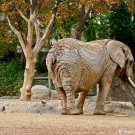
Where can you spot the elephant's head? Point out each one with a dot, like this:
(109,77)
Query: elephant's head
(121,54)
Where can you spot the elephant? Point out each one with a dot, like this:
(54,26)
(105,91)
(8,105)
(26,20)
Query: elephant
(76,66)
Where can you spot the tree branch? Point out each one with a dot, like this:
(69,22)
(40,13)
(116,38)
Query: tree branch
(20,12)
(31,22)
(17,34)
(30,32)
(48,29)
(82,20)
(38,36)
(33,6)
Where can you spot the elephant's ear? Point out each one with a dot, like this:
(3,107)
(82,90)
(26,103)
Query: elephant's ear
(118,58)
(117,55)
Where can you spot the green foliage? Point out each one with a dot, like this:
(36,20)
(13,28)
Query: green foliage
(67,25)
(65,29)
(11,78)
(102,25)
(97,27)
(8,41)
(122,27)
(90,33)
(41,66)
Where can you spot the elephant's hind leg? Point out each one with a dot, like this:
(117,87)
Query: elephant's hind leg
(63,99)
(80,101)
(70,94)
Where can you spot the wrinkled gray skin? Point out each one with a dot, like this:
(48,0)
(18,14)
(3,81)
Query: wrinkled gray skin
(76,66)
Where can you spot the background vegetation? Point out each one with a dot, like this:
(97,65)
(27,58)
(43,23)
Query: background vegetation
(11,77)
(116,21)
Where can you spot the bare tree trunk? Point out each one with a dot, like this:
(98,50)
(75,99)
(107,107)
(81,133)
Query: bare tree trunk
(82,20)
(30,53)
(81,23)
(28,78)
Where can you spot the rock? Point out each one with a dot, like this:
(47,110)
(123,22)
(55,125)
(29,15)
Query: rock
(39,92)
(2,108)
(6,104)
(54,95)
(44,108)
(43,103)
(9,97)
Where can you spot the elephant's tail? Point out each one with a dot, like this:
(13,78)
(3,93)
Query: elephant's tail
(50,60)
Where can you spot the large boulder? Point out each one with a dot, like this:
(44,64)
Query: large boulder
(41,92)
(54,95)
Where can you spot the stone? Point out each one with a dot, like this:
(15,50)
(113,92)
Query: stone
(2,108)
(39,108)
(39,92)
(54,95)
(9,97)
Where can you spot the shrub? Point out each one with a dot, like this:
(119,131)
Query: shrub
(41,66)
(11,78)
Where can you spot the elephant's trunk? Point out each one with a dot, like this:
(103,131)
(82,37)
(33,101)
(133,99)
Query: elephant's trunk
(129,89)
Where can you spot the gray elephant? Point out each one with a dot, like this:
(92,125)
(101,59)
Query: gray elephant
(76,66)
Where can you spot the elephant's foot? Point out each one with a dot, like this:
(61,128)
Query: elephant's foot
(99,112)
(73,111)
(64,111)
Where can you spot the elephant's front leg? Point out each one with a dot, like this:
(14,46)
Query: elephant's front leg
(104,87)
(103,93)
(80,101)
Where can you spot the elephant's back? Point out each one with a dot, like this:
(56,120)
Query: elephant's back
(73,50)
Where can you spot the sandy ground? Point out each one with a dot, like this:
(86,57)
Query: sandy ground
(33,118)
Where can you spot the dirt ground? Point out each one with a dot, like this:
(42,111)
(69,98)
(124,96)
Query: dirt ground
(35,118)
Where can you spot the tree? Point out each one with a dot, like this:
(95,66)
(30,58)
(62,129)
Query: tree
(131,4)
(122,27)
(83,17)
(91,6)
(78,12)
(26,41)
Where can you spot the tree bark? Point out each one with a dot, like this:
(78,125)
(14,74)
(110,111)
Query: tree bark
(28,78)
(82,20)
